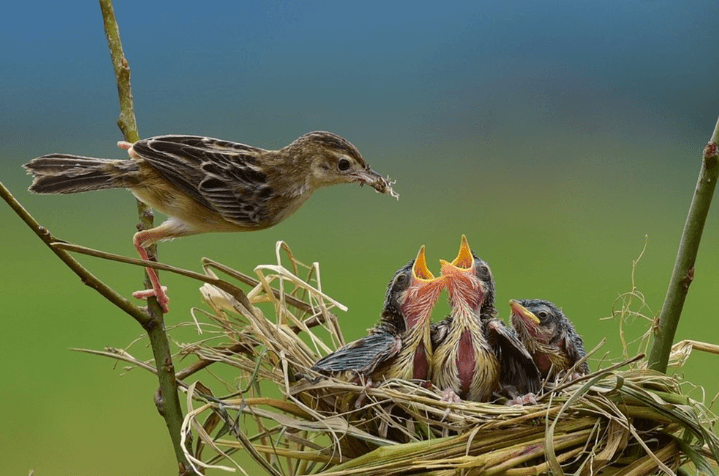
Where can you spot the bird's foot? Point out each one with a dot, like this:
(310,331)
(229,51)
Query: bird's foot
(160,294)
(450,397)
(566,377)
(363,393)
(528,399)
(124,145)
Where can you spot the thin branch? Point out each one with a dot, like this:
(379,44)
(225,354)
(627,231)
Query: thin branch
(83,273)
(236,292)
(167,399)
(233,290)
(683,273)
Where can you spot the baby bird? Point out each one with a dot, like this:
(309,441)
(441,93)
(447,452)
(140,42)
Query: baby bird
(475,354)
(549,336)
(210,185)
(399,346)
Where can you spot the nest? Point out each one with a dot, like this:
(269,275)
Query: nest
(623,420)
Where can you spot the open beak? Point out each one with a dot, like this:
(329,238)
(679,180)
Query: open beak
(420,270)
(462,262)
(376,181)
(464,259)
(525,314)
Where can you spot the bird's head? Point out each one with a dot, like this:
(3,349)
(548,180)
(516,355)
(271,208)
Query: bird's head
(469,281)
(332,159)
(412,294)
(537,319)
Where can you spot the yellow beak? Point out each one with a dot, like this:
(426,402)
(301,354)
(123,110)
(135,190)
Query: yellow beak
(464,259)
(419,269)
(523,311)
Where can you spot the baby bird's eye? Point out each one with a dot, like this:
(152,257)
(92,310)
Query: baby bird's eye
(343,164)
(542,315)
(400,279)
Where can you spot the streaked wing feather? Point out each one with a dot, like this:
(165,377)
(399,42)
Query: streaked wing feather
(362,356)
(222,176)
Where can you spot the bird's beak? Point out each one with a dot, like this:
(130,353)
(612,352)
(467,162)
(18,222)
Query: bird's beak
(375,180)
(420,270)
(464,259)
(463,262)
(448,269)
(524,313)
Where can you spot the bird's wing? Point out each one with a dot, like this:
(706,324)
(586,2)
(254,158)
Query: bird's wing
(574,347)
(362,356)
(223,176)
(438,331)
(517,366)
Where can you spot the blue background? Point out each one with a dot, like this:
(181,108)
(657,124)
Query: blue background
(556,135)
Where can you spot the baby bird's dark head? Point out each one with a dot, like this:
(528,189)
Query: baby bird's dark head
(540,319)
(412,294)
(470,281)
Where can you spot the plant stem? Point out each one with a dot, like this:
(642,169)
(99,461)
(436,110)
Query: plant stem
(683,273)
(167,398)
(86,276)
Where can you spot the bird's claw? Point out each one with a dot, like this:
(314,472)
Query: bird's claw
(450,397)
(528,399)
(161,296)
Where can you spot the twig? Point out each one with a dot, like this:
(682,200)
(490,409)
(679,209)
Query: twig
(233,290)
(683,273)
(592,375)
(167,399)
(236,292)
(83,273)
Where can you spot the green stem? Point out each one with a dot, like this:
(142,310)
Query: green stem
(167,398)
(683,273)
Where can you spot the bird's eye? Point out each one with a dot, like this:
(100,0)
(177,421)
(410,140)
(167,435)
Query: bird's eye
(400,279)
(542,315)
(343,164)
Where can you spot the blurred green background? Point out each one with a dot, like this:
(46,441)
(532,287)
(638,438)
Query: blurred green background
(555,135)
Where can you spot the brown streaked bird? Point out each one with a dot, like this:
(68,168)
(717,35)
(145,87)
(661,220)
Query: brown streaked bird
(210,185)
(399,345)
(475,354)
(549,336)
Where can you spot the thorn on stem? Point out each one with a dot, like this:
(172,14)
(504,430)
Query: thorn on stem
(688,279)
(656,325)
(159,402)
(711,155)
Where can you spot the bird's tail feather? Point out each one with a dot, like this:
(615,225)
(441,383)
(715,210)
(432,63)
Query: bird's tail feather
(63,173)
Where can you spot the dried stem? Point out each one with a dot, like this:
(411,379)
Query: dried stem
(237,293)
(683,273)
(167,398)
(83,273)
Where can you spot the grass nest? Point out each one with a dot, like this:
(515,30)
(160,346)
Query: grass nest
(621,420)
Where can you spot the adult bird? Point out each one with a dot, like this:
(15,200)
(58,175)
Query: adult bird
(399,345)
(549,336)
(475,354)
(210,185)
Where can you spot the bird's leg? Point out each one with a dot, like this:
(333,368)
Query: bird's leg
(521,400)
(516,398)
(450,396)
(363,394)
(157,290)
